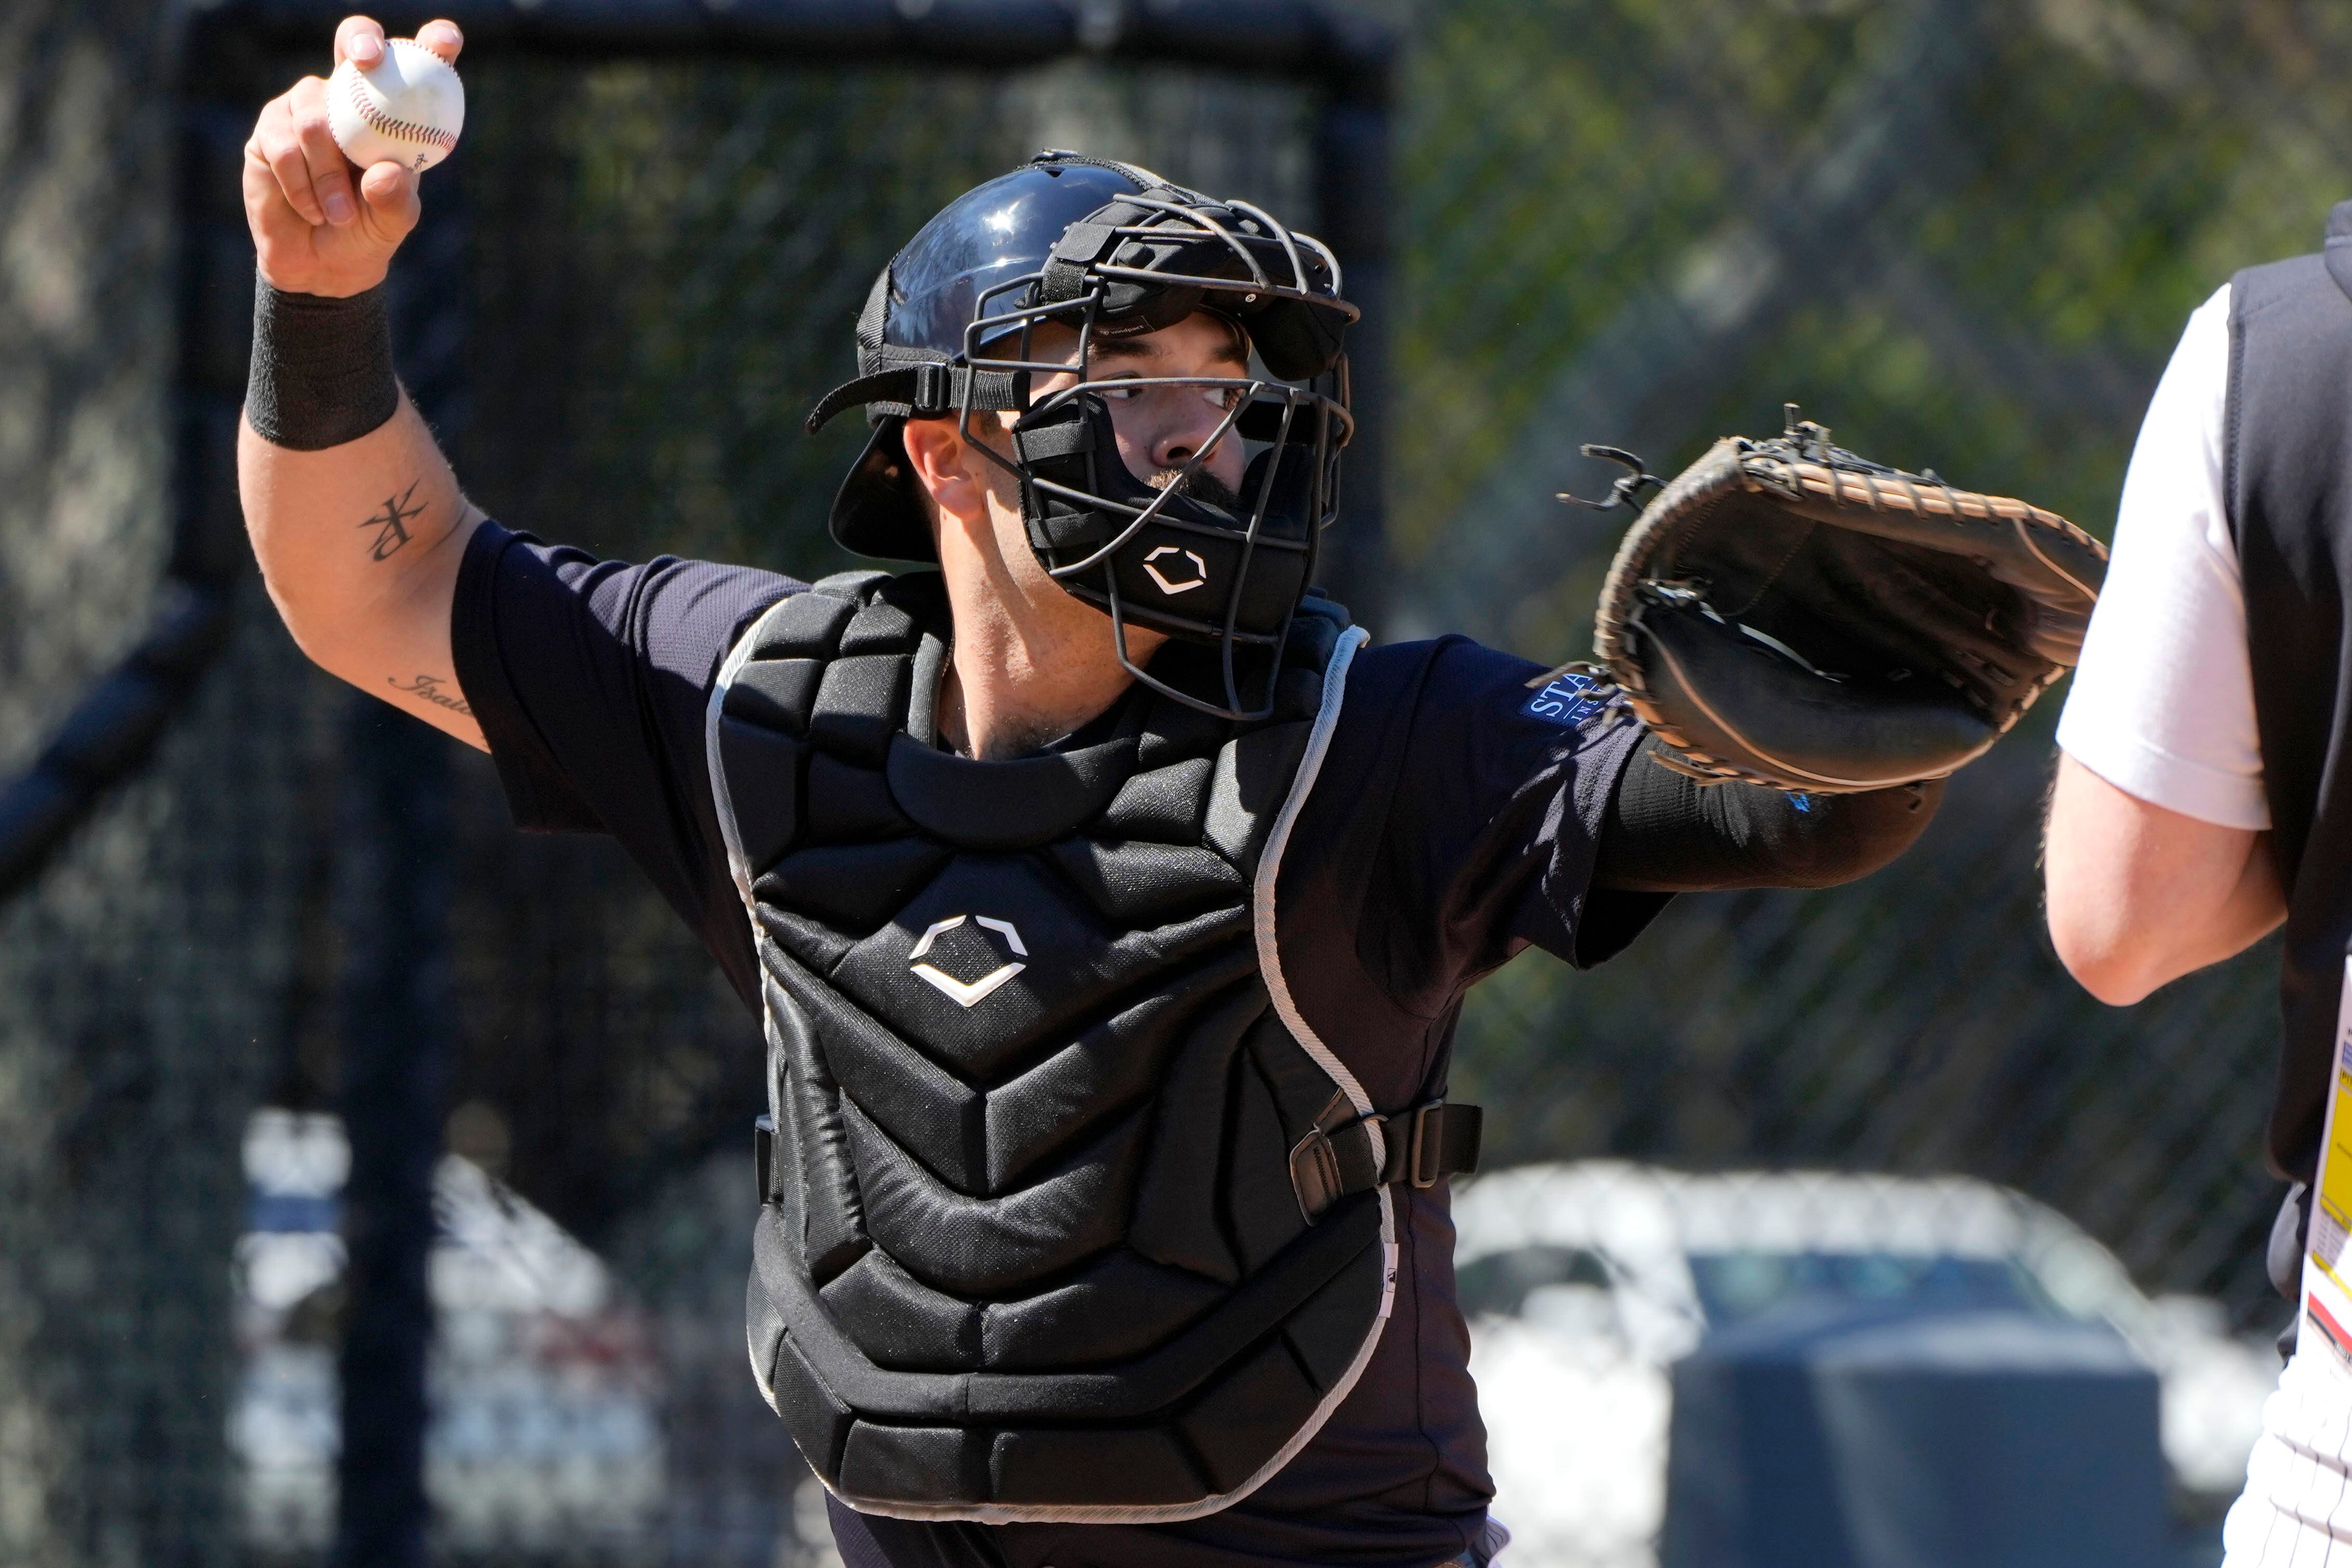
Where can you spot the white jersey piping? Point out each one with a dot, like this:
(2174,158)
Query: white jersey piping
(720,795)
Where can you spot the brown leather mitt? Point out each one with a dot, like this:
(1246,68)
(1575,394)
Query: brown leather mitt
(1787,613)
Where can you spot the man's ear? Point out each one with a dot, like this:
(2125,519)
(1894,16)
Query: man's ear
(946,467)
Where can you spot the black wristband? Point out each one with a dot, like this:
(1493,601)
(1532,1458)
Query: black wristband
(322,371)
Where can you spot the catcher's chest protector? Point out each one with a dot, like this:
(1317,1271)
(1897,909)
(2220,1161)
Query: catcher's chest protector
(1035,1242)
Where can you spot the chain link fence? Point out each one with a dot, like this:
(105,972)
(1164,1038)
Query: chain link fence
(1962,234)
(1965,237)
(140,979)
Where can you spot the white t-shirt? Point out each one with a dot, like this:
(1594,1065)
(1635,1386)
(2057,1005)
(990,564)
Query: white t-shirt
(2163,705)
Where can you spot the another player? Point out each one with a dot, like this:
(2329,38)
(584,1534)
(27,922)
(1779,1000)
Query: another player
(2201,802)
(1109,903)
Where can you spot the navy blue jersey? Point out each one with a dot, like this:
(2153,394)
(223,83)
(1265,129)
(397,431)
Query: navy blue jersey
(1453,824)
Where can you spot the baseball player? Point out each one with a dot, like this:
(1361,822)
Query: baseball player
(1107,901)
(2199,801)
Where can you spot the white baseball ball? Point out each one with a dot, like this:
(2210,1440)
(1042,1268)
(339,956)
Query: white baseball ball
(407,108)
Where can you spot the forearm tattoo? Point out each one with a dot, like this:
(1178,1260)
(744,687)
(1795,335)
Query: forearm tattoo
(390,523)
(432,689)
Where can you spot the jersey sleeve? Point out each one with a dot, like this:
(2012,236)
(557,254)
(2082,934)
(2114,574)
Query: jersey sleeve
(590,679)
(1455,822)
(2162,706)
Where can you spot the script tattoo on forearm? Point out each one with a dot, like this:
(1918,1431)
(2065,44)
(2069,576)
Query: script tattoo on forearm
(391,525)
(429,688)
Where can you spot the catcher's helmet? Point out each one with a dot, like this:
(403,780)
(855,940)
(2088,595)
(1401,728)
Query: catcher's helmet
(1112,250)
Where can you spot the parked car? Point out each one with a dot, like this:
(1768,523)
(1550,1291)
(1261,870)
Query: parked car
(543,1383)
(1584,1282)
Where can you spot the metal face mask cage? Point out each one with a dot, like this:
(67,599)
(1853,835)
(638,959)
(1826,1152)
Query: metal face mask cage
(1138,551)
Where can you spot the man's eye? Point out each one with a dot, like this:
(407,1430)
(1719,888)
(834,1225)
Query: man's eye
(1119,393)
(1223,399)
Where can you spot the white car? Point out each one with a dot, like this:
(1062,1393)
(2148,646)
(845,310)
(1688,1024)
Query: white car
(1584,1282)
(544,1384)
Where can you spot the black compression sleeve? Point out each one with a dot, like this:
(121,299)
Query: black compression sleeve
(1666,833)
(322,370)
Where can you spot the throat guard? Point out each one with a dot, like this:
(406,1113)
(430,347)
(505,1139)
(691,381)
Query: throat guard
(1068,1215)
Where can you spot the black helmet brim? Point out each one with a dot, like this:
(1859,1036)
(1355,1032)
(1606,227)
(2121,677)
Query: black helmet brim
(877,512)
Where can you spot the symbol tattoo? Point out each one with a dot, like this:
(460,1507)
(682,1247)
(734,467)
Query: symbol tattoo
(428,688)
(391,525)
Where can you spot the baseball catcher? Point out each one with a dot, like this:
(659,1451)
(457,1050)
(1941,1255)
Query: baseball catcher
(1108,899)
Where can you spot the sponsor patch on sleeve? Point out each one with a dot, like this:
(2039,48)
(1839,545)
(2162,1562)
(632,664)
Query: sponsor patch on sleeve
(1567,700)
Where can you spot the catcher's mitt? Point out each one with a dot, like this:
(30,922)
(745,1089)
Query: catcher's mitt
(1790,615)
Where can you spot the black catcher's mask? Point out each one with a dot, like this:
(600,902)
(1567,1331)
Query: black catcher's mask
(1112,251)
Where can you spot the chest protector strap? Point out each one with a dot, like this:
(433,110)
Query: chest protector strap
(1067,1214)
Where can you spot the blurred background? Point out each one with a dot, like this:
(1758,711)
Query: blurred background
(319,1086)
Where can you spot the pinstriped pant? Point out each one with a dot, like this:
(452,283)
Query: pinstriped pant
(2296,1509)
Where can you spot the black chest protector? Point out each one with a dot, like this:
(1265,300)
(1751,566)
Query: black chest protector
(1068,1215)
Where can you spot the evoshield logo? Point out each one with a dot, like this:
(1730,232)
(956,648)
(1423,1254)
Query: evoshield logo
(967,993)
(1199,570)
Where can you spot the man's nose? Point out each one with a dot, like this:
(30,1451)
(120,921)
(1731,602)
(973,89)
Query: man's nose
(1181,432)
